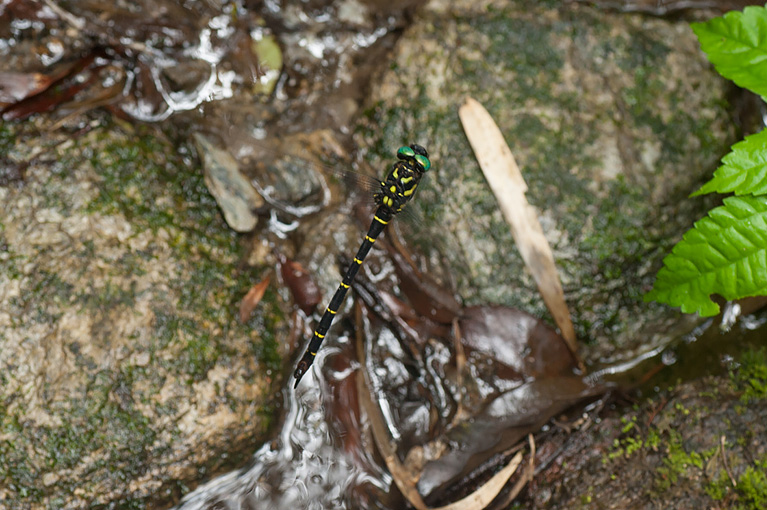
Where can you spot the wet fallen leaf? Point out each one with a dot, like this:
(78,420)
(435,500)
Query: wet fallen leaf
(508,185)
(252,298)
(404,477)
(97,95)
(504,421)
(63,84)
(517,340)
(17,86)
(454,401)
(302,286)
(426,296)
(44,102)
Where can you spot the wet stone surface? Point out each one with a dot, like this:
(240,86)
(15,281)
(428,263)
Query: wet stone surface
(613,120)
(124,369)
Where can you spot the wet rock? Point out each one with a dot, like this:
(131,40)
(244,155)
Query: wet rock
(124,367)
(288,172)
(235,196)
(613,119)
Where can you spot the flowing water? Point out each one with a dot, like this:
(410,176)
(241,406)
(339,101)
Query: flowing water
(308,465)
(305,465)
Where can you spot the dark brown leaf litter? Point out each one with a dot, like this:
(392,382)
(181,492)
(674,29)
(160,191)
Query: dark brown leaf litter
(459,386)
(303,288)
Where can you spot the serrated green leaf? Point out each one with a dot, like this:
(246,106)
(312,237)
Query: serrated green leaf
(737,46)
(725,253)
(744,169)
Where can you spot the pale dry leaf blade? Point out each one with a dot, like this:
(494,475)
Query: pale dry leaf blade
(506,181)
(485,495)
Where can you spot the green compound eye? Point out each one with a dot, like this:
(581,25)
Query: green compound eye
(423,161)
(405,152)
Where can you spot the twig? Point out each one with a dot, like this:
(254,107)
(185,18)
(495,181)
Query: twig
(78,23)
(531,469)
(724,461)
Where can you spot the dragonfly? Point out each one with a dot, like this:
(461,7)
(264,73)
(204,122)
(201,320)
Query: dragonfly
(395,191)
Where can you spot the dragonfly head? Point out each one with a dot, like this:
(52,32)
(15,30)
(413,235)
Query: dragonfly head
(417,154)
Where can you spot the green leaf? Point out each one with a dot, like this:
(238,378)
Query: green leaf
(725,253)
(269,57)
(744,170)
(737,46)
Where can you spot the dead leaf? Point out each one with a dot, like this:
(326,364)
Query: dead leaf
(508,185)
(17,86)
(302,286)
(404,478)
(252,298)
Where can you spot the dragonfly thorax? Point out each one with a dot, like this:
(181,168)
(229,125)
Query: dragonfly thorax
(399,186)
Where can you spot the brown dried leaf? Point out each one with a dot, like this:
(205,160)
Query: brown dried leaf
(508,185)
(252,298)
(17,86)
(302,286)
